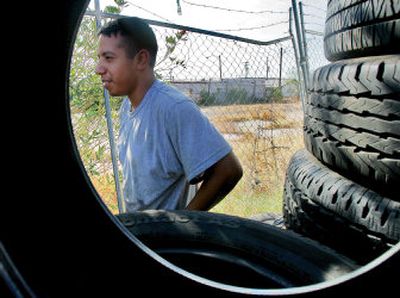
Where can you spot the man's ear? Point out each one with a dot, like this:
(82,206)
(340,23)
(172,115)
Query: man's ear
(143,59)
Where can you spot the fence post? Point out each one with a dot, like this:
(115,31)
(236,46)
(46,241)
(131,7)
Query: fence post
(114,160)
(296,56)
(303,34)
(220,67)
(301,48)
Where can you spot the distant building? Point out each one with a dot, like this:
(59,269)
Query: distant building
(240,90)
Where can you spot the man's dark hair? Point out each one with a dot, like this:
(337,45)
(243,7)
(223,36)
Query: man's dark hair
(136,33)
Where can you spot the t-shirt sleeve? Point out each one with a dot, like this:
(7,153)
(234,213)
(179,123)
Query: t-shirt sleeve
(197,142)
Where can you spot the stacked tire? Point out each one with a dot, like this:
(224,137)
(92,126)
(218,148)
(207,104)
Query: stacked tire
(343,189)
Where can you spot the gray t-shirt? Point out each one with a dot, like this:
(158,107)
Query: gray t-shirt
(163,144)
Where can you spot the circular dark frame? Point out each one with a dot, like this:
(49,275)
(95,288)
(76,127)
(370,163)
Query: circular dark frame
(54,227)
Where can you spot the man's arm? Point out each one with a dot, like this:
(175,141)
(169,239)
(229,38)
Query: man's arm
(218,181)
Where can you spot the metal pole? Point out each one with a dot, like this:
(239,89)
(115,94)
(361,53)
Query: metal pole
(97,13)
(220,67)
(114,160)
(303,34)
(178,7)
(280,67)
(300,44)
(296,56)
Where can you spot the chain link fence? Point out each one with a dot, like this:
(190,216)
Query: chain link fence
(248,89)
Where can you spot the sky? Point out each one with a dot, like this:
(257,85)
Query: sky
(268,19)
(262,20)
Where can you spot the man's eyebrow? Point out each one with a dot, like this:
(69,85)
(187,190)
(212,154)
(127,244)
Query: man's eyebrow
(107,53)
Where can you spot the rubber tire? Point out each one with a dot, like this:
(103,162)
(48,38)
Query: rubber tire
(333,210)
(352,120)
(361,28)
(234,250)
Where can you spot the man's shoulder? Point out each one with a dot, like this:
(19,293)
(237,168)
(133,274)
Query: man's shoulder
(170,95)
(170,92)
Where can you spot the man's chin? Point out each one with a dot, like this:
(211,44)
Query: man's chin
(113,93)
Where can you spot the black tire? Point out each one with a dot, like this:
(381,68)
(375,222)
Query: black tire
(361,28)
(337,212)
(234,250)
(352,120)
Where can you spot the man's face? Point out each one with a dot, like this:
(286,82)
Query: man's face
(117,71)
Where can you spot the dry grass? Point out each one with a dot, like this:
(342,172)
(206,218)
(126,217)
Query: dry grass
(275,116)
(106,188)
(261,188)
(264,156)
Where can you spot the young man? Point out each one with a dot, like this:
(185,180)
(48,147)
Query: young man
(165,142)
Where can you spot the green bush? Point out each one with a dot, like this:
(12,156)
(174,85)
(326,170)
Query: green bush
(207,99)
(236,96)
(276,94)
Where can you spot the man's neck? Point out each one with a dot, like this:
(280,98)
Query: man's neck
(140,93)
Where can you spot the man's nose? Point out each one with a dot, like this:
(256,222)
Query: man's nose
(100,69)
